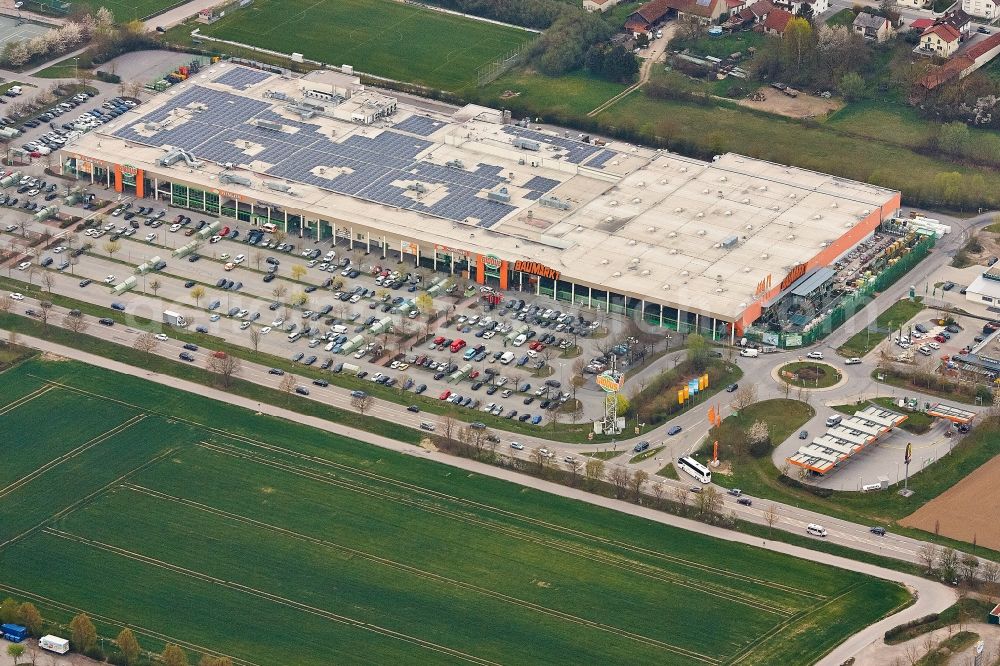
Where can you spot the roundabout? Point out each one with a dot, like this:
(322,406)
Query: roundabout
(810,375)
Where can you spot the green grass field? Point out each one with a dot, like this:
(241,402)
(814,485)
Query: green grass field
(128,10)
(894,316)
(403,42)
(274,543)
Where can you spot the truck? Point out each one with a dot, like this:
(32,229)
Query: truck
(174,319)
(749,353)
(15,633)
(54,644)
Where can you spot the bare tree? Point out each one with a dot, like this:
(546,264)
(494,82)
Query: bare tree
(447,423)
(6,303)
(48,281)
(111,247)
(74,323)
(225,365)
(46,309)
(639,477)
(745,396)
(154,286)
(254,334)
(681,496)
(771,518)
(970,567)
(279,291)
(658,489)
(146,342)
(540,456)
(619,478)
(362,403)
(928,555)
(287,385)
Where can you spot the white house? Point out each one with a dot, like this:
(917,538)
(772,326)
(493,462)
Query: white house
(599,5)
(986,9)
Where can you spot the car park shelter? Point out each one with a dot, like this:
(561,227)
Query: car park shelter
(951,413)
(851,436)
(685,244)
(994,616)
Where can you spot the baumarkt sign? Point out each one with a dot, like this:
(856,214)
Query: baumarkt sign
(492,264)
(535,268)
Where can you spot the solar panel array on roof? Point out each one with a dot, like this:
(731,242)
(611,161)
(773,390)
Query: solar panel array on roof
(419,125)
(541,184)
(575,151)
(216,126)
(242,78)
(601,158)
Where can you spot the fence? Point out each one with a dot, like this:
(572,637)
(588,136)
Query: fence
(850,305)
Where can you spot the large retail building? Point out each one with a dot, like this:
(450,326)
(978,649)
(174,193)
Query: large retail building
(690,245)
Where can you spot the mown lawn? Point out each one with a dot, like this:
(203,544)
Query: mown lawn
(244,533)
(408,43)
(893,317)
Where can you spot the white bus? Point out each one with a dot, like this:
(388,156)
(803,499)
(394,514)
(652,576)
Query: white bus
(695,469)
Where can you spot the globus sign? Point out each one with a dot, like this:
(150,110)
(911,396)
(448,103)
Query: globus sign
(610,381)
(492,264)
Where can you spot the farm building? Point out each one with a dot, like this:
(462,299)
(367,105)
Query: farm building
(685,244)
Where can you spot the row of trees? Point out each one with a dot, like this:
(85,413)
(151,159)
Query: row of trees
(615,63)
(84,639)
(72,33)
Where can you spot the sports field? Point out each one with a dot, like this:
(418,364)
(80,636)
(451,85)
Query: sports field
(203,524)
(382,37)
(123,10)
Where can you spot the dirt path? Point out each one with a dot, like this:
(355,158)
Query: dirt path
(656,51)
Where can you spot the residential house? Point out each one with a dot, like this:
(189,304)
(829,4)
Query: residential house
(704,11)
(963,64)
(958,20)
(599,5)
(776,22)
(939,40)
(795,6)
(749,16)
(921,24)
(876,28)
(648,16)
(987,9)
(914,4)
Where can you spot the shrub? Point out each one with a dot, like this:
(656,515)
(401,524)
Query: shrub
(902,628)
(760,449)
(107,77)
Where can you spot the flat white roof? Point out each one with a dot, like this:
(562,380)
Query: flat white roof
(637,221)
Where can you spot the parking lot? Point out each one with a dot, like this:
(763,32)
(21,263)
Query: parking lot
(332,308)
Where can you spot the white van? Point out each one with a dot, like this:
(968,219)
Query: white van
(816,530)
(338,329)
(54,644)
(834,420)
(292,337)
(520,340)
(750,353)
(507,358)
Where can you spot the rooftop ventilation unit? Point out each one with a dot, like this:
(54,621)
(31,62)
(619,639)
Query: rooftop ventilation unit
(278,187)
(678,210)
(418,187)
(673,250)
(616,274)
(454,164)
(645,272)
(730,241)
(700,215)
(177,154)
(499,195)
(765,255)
(666,287)
(762,188)
(637,200)
(745,200)
(672,234)
(705,191)
(604,262)
(554,202)
(525,144)
(270,125)
(232,179)
(631,241)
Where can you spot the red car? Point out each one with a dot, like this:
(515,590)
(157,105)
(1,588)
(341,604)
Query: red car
(940,338)
(457,345)
(224,232)
(445,395)
(438,340)
(473,374)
